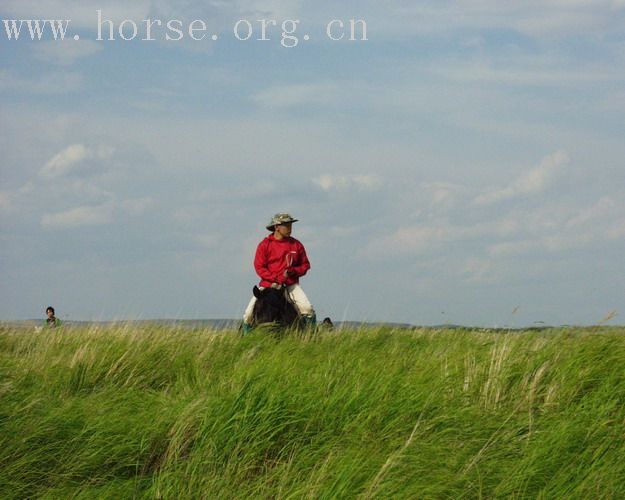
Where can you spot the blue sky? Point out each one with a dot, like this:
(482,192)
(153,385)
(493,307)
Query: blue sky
(465,164)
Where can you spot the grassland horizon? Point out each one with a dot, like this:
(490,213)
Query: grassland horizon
(347,324)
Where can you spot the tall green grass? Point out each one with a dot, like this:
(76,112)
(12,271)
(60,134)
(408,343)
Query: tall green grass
(153,412)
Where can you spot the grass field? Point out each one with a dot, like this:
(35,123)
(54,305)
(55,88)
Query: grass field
(153,412)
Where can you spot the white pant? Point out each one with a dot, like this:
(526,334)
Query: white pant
(297,296)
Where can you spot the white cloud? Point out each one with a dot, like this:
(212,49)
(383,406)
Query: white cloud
(137,207)
(68,159)
(450,216)
(47,84)
(11,201)
(65,161)
(442,196)
(605,209)
(533,73)
(65,52)
(512,248)
(535,181)
(5,202)
(480,271)
(223,11)
(84,189)
(276,8)
(260,189)
(434,233)
(537,18)
(555,229)
(419,238)
(335,182)
(96,215)
(616,230)
(77,217)
(285,96)
(541,177)
(82,14)
(412,240)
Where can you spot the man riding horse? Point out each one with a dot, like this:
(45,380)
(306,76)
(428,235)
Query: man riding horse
(280,261)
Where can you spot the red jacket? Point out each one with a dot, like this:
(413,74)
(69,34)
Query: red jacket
(273,257)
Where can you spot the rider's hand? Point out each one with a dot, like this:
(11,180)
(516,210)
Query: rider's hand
(276,285)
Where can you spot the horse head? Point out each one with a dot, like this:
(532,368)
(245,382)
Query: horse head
(273,306)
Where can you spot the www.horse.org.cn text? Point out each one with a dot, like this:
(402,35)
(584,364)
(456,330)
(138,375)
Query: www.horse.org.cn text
(288,32)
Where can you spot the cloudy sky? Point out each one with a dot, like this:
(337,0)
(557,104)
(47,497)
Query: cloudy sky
(464,164)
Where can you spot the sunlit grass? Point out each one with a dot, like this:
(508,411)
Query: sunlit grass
(160,412)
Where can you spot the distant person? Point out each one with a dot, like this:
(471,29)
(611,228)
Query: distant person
(51,321)
(280,261)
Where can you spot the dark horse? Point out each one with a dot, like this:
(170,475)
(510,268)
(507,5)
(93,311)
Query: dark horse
(274,306)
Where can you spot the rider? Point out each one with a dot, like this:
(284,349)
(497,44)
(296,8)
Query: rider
(280,261)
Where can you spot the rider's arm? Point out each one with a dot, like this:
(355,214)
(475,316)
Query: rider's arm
(303,264)
(261,263)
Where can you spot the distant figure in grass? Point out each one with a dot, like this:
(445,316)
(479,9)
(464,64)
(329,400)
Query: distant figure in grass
(51,321)
(280,262)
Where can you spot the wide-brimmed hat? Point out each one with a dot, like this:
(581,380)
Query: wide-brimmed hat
(279,219)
